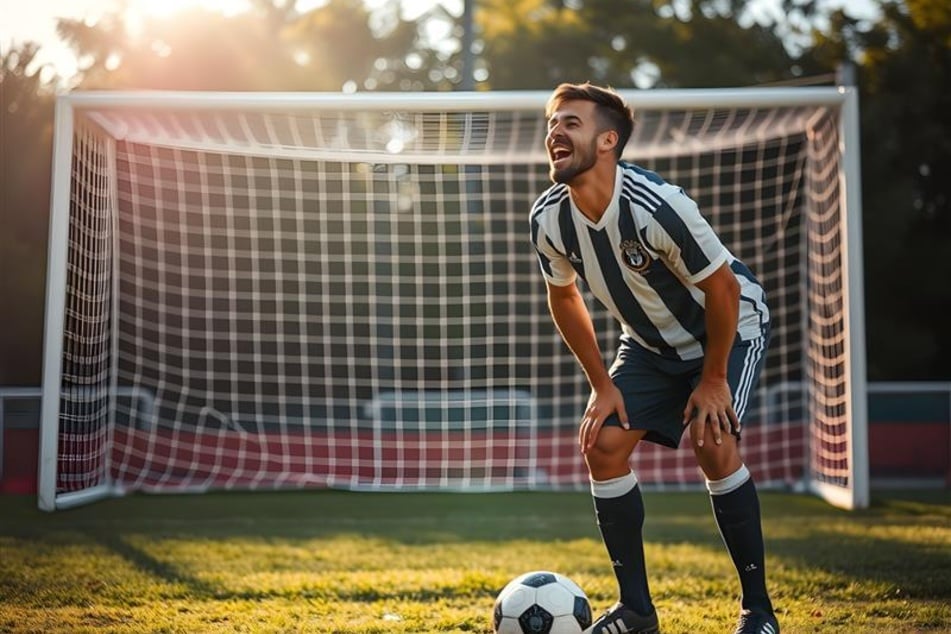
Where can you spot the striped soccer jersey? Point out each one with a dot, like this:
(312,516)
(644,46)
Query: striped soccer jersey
(642,260)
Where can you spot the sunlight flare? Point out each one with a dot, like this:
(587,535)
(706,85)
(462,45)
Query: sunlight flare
(165,8)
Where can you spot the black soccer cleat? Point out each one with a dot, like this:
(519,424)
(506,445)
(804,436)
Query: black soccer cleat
(756,622)
(622,620)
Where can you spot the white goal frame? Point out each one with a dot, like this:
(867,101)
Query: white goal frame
(845,99)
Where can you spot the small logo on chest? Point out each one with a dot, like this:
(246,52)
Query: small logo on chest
(635,256)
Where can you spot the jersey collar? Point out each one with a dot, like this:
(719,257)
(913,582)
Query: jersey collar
(609,213)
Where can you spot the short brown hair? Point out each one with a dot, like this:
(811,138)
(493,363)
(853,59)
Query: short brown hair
(613,113)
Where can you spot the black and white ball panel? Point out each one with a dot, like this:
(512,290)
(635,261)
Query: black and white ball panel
(541,602)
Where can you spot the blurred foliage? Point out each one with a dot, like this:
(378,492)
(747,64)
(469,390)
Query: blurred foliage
(904,73)
(905,83)
(26,132)
(537,44)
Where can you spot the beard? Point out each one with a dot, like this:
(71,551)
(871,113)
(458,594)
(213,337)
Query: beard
(582,159)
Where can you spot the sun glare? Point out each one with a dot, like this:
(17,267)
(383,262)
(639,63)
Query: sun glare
(165,8)
(139,11)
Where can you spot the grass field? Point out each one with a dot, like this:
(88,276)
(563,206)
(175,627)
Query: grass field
(330,561)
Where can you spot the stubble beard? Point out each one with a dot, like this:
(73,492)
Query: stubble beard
(585,162)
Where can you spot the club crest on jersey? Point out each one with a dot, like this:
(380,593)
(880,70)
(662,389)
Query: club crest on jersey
(635,256)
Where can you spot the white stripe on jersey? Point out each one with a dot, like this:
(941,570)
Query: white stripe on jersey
(659,306)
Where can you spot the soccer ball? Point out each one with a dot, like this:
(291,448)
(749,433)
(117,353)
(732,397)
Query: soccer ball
(541,602)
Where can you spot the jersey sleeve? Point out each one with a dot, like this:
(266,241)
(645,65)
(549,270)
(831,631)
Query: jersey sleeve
(686,239)
(554,265)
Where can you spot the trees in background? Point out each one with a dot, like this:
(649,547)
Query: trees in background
(269,47)
(625,43)
(26,131)
(905,84)
(904,61)
(521,44)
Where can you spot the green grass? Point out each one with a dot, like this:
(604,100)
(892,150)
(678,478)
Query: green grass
(329,561)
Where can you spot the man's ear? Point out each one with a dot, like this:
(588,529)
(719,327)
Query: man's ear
(608,141)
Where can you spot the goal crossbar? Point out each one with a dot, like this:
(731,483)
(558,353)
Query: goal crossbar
(453,101)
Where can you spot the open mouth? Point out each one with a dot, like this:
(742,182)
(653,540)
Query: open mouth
(559,154)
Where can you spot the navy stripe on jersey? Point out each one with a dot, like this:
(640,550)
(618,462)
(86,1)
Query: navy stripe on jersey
(622,297)
(545,263)
(668,286)
(646,173)
(693,256)
(542,260)
(569,236)
(628,190)
(625,221)
(646,242)
(535,228)
(550,196)
(678,300)
(555,194)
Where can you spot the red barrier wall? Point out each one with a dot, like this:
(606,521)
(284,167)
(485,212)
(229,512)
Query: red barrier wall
(897,450)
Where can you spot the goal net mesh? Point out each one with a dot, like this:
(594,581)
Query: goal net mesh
(258,298)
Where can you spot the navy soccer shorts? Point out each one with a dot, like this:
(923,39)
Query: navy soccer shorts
(656,388)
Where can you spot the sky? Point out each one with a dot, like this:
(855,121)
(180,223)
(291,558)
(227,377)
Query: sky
(35,20)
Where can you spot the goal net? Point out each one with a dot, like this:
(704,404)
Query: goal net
(296,290)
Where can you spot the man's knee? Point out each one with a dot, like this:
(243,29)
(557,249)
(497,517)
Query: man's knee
(610,456)
(718,461)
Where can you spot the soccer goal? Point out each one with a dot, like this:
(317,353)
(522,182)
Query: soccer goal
(268,291)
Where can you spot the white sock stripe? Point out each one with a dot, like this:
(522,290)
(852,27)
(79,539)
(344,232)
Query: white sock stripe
(615,487)
(730,483)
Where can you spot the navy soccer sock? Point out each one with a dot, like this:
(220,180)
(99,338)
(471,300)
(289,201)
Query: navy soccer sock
(736,509)
(620,512)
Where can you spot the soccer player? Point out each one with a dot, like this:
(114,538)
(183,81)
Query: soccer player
(695,328)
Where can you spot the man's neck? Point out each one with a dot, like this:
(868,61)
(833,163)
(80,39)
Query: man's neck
(592,191)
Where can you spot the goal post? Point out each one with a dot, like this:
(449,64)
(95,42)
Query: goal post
(286,290)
